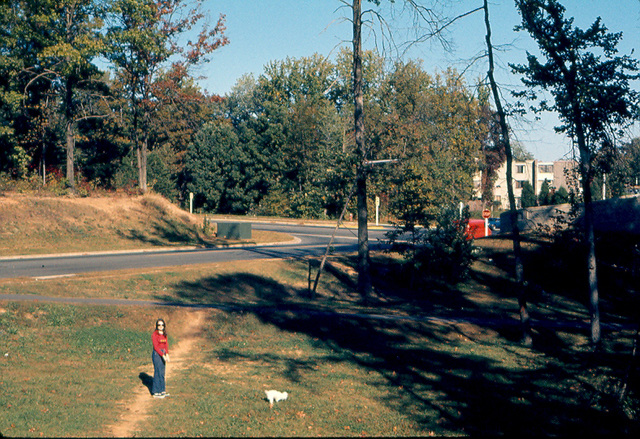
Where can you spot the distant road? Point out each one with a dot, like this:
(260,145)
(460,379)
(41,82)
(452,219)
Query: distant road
(311,241)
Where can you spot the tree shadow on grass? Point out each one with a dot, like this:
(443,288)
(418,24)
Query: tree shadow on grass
(458,390)
(242,289)
(448,377)
(165,233)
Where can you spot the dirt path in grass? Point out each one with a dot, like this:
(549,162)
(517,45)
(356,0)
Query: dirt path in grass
(135,409)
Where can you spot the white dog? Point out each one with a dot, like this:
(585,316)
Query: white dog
(274,395)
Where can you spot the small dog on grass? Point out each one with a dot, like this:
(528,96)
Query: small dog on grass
(275,396)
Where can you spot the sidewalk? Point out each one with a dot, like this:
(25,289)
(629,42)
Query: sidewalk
(258,309)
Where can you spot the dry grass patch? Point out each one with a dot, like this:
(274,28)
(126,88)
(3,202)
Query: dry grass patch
(32,225)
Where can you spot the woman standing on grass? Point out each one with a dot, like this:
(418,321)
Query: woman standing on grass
(159,356)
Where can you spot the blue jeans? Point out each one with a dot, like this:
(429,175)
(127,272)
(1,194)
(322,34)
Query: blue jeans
(158,385)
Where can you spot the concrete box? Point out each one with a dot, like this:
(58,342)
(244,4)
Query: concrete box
(229,230)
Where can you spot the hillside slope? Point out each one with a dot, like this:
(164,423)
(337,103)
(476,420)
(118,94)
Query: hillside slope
(32,225)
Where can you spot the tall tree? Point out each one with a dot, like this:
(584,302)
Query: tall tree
(427,24)
(220,170)
(432,124)
(33,76)
(590,85)
(76,46)
(13,57)
(296,87)
(493,147)
(364,275)
(544,196)
(143,39)
(526,337)
(68,40)
(184,110)
(624,175)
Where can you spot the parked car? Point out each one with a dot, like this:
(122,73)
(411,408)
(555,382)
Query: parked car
(475,229)
(494,224)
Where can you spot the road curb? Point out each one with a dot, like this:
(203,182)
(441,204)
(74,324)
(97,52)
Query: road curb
(294,241)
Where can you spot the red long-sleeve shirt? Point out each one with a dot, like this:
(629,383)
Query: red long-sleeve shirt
(160,343)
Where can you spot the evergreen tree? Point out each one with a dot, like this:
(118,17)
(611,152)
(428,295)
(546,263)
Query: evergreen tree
(224,174)
(544,197)
(560,196)
(528,196)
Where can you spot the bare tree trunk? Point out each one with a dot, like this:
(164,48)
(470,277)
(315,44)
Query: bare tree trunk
(364,275)
(70,135)
(140,147)
(71,143)
(585,171)
(527,339)
(594,299)
(142,164)
(43,163)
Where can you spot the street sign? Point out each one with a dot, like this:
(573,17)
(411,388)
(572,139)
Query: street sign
(486,213)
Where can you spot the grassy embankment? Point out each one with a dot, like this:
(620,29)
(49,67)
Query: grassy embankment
(71,370)
(40,225)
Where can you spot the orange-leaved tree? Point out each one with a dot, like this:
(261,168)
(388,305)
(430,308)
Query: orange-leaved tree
(144,42)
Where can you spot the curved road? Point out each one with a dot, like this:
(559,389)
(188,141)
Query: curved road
(310,241)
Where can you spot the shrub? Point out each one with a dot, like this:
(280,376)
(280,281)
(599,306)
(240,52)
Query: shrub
(442,251)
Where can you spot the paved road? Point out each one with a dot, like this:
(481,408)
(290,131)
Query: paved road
(310,240)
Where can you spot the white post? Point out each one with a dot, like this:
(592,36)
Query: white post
(486,227)
(190,202)
(377,208)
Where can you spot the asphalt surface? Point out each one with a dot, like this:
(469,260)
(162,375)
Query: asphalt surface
(309,241)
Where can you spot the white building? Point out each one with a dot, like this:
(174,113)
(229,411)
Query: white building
(533,171)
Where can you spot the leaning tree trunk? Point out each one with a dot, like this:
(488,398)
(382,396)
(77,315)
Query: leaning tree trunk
(527,339)
(364,276)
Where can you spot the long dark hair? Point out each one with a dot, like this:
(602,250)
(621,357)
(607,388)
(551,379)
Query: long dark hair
(165,326)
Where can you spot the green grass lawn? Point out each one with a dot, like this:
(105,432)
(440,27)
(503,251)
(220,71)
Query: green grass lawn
(68,370)
(64,367)
(384,367)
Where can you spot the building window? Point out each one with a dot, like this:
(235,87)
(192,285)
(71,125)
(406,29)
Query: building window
(520,169)
(519,184)
(546,169)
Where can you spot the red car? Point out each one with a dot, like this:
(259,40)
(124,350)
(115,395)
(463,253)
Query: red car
(475,229)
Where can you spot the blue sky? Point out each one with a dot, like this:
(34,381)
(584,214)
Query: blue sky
(261,31)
